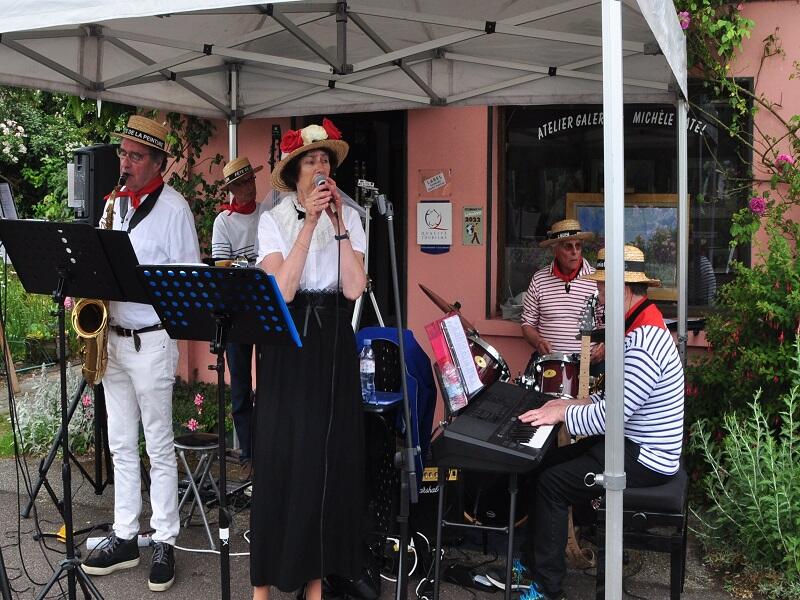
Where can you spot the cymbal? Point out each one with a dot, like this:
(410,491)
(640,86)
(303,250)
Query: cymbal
(445,306)
(598,335)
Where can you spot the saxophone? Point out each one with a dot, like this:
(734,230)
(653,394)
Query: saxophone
(90,317)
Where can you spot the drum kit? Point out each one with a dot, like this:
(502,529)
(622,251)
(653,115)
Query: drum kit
(552,375)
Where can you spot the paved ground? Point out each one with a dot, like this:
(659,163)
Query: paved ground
(30,563)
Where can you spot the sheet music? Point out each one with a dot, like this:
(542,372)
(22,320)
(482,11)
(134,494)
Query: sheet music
(461,354)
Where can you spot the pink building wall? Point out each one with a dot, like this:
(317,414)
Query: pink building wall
(771,78)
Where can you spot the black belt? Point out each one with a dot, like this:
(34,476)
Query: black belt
(137,343)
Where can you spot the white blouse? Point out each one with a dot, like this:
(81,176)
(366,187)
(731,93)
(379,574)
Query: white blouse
(278,229)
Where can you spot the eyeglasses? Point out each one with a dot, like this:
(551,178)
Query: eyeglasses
(136,157)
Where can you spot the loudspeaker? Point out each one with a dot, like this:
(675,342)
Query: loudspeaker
(93,174)
(423,513)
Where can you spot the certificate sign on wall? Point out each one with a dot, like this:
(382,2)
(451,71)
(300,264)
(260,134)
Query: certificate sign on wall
(472,235)
(434,223)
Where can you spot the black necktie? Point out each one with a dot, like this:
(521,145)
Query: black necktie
(300,214)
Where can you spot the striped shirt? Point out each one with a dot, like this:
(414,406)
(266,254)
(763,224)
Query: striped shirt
(235,234)
(555,312)
(653,390)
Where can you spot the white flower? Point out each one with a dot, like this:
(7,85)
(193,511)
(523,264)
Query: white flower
(20,128)
(12,123)
(6,150)
(313,133)
(22,149)
(18,134)
(14,159)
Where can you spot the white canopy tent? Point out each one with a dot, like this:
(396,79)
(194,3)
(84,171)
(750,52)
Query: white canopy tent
(232,59)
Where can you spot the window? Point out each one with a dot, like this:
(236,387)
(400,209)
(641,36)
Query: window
(554,153)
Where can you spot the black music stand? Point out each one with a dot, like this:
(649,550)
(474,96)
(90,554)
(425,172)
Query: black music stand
(219,305)
(70,259)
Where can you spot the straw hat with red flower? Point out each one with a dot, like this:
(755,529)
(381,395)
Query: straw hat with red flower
(299,141)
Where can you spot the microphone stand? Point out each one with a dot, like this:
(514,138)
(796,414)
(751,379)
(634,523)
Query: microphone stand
(276,138)
(405,458)
(5,586)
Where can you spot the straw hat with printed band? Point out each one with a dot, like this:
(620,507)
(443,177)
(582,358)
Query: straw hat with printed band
(145,131)
(634,268)
(298,141)
(562,231)
(236,169)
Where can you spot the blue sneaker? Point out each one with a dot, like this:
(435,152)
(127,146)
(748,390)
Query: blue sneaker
(520,576)
(534,593)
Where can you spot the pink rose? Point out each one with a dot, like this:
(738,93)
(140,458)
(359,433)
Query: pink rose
(684,18)
(86,401)
(198,400)
(291,141)
(69,303)
(758,206)
(784,159)
(192,424)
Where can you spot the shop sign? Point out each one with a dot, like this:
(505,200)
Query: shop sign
(638,116)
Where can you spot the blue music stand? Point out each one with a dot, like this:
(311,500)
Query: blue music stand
(219,305)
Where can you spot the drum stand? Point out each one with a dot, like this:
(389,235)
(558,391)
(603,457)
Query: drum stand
(367,188)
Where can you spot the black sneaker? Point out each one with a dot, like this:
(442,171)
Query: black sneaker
(118,554)
(162,569)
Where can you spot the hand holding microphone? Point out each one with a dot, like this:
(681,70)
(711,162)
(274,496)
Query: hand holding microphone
(320,180)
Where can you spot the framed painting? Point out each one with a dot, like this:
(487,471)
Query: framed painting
(651,224)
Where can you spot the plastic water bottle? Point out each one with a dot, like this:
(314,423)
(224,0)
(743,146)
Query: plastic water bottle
(452,387)
(367,368)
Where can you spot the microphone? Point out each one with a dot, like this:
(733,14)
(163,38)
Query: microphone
(320,179)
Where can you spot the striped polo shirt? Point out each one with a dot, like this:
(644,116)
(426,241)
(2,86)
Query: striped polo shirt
(234,234)
(653,390)
(556,312)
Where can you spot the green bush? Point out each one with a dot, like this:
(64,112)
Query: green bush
(187,406)
(39,414)
(753,483)
(30,316)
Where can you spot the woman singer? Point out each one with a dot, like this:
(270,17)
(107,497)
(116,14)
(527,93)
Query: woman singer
(308,435)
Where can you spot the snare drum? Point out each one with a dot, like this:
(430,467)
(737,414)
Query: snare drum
(491,366)
(554,375)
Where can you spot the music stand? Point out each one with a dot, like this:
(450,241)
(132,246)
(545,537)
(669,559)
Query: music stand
(219,305)
(70,259)
(5,586)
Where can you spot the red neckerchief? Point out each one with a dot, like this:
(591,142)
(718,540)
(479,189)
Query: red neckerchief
(567,278)
(649,316)
(233,207)
(136,197)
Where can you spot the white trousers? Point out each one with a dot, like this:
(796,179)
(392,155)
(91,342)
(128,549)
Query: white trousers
(138,388)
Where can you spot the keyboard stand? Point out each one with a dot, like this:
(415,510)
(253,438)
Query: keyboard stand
(508,529)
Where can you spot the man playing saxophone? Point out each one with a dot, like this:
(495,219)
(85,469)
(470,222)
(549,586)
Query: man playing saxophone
(142,359)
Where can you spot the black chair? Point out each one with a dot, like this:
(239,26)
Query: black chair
(655,519)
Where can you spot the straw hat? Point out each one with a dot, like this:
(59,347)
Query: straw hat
(298,141)
(634,268)
(562,231)
(145,131)
(236,169)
